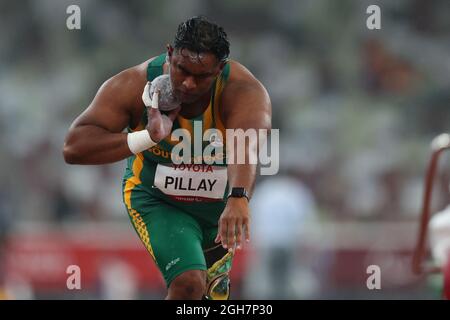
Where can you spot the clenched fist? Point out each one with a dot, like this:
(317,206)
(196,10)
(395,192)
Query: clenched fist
(159,125)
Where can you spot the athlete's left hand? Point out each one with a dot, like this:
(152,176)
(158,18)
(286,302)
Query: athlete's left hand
(234,223)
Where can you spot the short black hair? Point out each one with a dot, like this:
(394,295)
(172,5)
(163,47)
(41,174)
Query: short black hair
(199,35)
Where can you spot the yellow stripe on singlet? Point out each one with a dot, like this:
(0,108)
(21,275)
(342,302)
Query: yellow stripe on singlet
(186,124)
(207,118)
(138,222)
(217,117)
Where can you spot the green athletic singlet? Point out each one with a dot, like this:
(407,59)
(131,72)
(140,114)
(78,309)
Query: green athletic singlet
(175,208)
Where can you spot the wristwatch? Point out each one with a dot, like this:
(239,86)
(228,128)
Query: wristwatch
(238,192)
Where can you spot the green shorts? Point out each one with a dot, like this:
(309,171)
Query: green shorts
(175,239)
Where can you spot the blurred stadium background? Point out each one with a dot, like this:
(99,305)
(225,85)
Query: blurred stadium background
(357,110)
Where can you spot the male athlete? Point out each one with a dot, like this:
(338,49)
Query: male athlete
(189,217)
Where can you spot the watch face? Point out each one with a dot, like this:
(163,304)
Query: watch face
(238,192)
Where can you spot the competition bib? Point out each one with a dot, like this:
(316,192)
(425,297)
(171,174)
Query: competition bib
(191,182)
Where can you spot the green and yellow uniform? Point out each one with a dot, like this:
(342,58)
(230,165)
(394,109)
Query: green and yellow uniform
(175,208)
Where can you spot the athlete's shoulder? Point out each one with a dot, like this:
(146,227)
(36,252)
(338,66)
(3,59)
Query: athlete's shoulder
(127,85)
(238,73)
(132,76)
(241,79)
(245,97)
(124,90)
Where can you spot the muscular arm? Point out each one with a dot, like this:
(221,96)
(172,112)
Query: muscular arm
(251,110)
(246,106)
(96,136)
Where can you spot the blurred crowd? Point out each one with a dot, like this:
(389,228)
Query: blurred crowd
(356,108)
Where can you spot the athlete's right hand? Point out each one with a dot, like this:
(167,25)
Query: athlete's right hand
(159,125)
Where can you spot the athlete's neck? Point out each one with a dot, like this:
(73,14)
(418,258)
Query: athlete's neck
(196,108)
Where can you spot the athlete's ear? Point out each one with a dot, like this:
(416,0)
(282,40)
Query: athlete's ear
(169,51)
(221,66)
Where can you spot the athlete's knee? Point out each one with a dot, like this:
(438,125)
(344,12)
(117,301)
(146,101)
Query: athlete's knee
(188,285)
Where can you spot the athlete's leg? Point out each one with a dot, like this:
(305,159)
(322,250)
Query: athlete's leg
(189,285)
(174,240)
